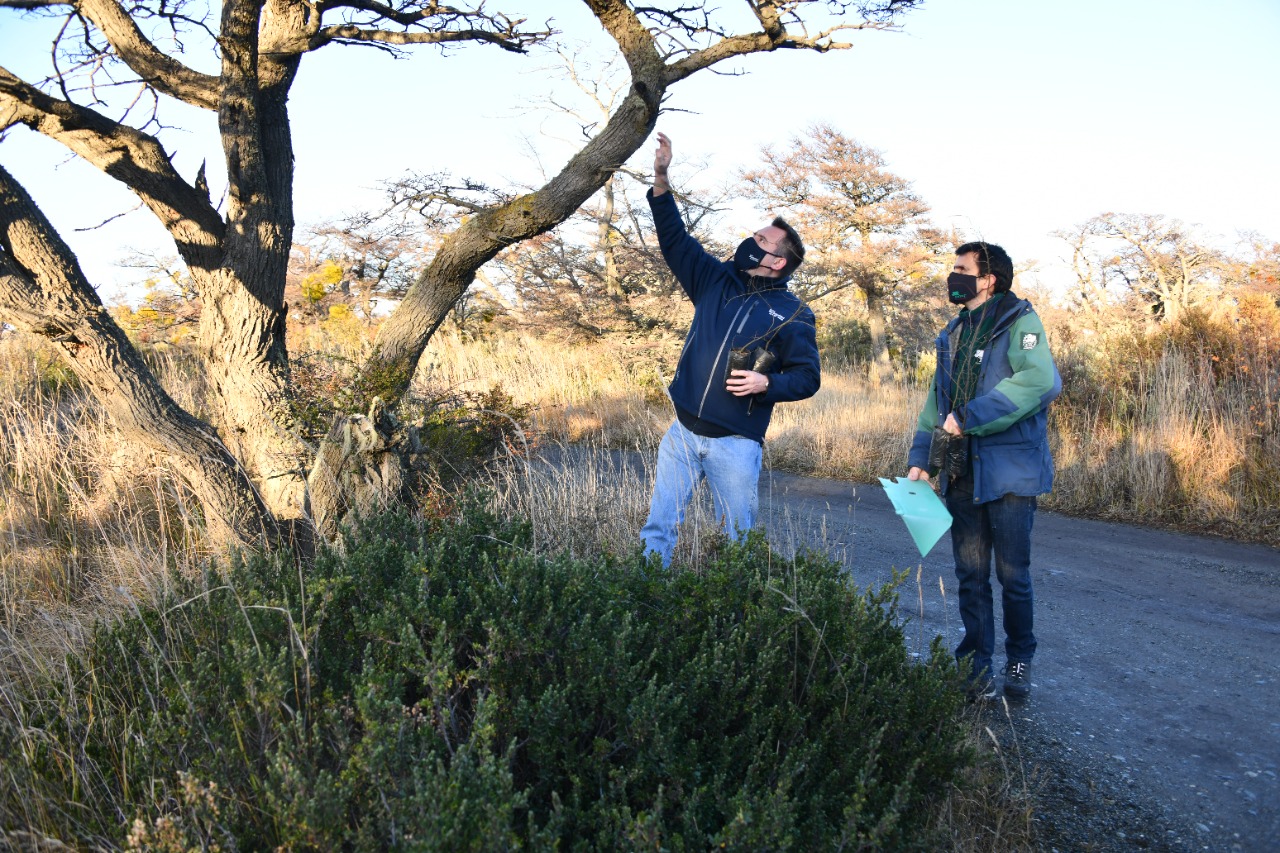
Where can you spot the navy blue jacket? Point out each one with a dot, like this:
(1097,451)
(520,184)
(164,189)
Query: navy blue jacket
(734,310)
(1007,419)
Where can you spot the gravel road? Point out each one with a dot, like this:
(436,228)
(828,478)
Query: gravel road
(1154,719)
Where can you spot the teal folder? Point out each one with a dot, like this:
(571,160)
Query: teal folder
(925,515)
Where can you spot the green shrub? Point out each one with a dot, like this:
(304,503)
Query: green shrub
(844,340)
(439,687)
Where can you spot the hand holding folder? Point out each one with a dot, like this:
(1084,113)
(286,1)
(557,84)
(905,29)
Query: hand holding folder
(925,515)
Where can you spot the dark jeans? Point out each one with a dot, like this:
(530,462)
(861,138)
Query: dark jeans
(1000,528)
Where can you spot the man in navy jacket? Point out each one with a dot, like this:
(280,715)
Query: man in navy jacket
(742,310)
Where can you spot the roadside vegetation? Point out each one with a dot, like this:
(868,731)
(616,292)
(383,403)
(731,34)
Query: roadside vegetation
(411,683)
(440,685)
(1175,427)
(327,539)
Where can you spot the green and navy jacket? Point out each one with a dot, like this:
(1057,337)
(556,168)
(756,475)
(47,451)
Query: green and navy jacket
(1007,418)
(734,310)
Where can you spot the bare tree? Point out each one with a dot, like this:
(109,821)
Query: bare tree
(863,224)
(601,271)
(1255,268)
(380,256)
(255,470)
(1096,283)
(1162,263)
(602,86)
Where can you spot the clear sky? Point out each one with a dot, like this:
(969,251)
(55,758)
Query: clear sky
(1013,118)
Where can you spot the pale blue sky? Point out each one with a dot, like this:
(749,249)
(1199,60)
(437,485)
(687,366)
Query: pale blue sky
(1013,118)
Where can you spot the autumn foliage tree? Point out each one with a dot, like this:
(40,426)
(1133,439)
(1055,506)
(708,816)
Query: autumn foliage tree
(247,463)
(864,226)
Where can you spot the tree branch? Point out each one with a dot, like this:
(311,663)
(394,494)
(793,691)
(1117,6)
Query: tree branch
(116,24)
(130,156)
(156,69)
(352,34)
(773,16)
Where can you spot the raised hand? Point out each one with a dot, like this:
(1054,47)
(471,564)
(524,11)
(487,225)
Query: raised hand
(661,160)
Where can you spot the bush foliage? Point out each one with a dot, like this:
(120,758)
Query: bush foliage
(439,687)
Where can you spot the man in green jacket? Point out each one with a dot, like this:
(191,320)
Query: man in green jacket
(985,422)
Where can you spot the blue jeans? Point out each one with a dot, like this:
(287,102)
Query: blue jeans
(731,467)
(999,528)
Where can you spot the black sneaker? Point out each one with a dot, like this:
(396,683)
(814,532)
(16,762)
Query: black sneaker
(1017,679)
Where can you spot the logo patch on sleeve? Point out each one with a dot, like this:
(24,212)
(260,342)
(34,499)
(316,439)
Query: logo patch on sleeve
(1029,340)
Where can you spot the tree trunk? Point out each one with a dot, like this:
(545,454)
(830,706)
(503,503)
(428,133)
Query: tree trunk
(242,324)
(606,241)
(360,467)
(43,291)
(878,367)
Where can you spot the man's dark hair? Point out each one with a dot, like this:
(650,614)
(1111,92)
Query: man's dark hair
(792,248)
(992,260)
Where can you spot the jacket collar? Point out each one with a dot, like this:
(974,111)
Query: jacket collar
(1009,307)
(760,284)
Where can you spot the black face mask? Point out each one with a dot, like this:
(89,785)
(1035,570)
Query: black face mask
(961,288)
(749,255)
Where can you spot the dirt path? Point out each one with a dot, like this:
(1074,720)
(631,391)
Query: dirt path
(1157,678)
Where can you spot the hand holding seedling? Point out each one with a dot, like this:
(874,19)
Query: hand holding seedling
(743,383)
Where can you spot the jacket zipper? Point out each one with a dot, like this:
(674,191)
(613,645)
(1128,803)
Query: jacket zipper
(712,377)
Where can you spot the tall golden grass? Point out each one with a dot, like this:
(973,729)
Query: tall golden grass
(85,515)
(850,429)
(1181,446)
(1184,449)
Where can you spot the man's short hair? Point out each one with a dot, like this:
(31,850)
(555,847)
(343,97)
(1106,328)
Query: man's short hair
(792,248)
(992,260)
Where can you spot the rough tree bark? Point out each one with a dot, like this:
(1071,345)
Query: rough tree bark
(878,325)
(238,260)
(42,290)
(608,244)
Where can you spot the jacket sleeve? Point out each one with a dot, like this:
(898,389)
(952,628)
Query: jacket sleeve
(918,457)
(691,264)
(799,372)
(1034,384)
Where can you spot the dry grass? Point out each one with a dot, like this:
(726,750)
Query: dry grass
(1187,453)
(583,499)
(603,393)
(85,520)
(1183,450)
(87,523)
(84,512)
(849,430)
